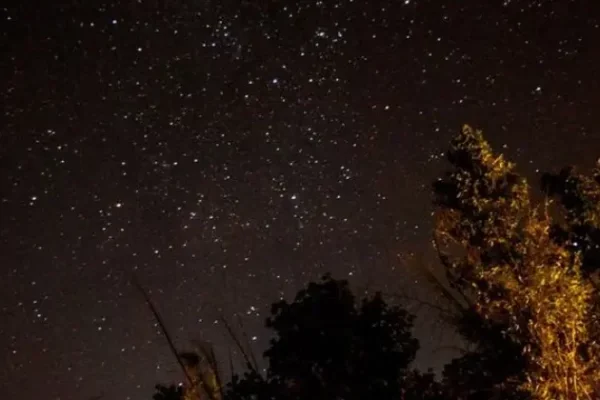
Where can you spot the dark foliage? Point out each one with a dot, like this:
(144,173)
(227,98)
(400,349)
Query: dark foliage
(168,392)
(250,386)
(579,197)
(492,371)
(328,347)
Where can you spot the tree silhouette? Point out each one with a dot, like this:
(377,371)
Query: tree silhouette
(168,392)
(329,347)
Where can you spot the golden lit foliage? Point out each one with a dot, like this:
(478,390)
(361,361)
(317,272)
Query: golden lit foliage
(202,369)
(505,259)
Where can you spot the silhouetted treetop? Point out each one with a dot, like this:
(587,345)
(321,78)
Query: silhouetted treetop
(329,346)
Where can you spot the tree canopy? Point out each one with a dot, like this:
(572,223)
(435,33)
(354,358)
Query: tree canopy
(329,346)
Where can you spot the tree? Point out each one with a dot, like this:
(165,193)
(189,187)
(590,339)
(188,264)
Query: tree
(528,307)
(329,347)
(168,392)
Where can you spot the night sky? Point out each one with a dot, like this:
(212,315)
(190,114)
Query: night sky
(227,152)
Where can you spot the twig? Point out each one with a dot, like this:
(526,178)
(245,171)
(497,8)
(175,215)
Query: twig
(434,279)
(230,363)
(238,344)
(418,300)
(163,328)
(247,341)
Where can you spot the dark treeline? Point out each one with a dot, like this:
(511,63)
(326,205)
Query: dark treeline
(521,278)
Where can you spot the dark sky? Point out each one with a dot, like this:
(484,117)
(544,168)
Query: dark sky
(227,152)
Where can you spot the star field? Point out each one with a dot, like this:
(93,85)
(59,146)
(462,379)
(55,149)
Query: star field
(228,152)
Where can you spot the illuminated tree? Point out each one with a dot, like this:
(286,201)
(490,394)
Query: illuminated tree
(578,197)
(526,301)
(201,367)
